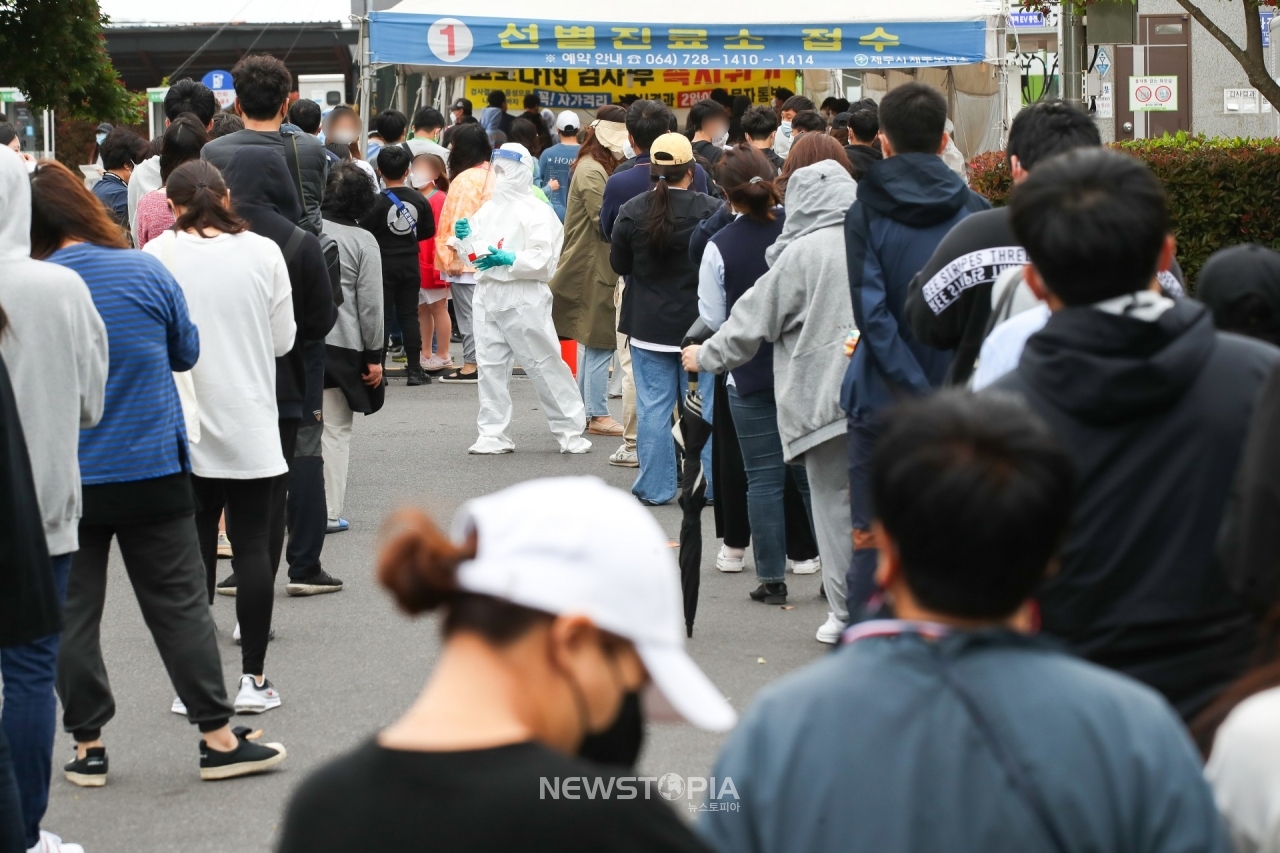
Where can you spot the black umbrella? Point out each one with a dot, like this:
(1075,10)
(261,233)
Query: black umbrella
(692,433)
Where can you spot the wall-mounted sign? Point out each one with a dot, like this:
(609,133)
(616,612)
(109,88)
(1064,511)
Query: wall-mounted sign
(1239,101)
(1153,94)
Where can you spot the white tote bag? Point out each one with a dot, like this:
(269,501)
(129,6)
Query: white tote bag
(185,384)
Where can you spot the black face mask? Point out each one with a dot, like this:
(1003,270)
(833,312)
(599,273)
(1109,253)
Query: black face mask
(621,742)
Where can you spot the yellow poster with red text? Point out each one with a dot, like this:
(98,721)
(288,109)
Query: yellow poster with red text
(589,88)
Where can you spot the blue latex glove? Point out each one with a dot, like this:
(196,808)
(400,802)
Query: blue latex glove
(462,229)
(496,258)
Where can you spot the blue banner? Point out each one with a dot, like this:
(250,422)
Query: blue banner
(470,42)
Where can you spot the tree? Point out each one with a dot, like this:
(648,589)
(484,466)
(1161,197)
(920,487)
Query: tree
(1250,56)
(54,52)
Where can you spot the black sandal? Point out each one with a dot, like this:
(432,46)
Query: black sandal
(456,375)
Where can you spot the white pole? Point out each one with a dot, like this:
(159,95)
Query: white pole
(365,107)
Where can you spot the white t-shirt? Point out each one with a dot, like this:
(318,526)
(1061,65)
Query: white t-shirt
(238,295)
(1244,771)
(1002,350)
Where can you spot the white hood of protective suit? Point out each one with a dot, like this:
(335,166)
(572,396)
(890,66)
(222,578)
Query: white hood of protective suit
(15,200)
(515,220)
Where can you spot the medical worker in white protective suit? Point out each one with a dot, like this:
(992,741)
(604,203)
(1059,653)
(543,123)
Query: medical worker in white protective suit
(516,241)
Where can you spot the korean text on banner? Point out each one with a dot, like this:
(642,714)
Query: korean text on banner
(398,37)
(589,88)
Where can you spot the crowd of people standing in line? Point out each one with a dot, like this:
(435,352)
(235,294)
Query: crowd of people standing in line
(1060,592)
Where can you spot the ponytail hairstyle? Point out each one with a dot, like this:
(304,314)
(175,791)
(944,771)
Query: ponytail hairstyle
(747,179)
(419,565)
(659,224)
(198,187)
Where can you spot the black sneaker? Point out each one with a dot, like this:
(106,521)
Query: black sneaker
(90,771)
(318,584)
(228,586)
(770,593)
(247,758)
(417,376)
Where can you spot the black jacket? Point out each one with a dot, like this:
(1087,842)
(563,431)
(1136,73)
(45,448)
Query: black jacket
(262,195)
(660,302)
(313,165)
(1155,414)
(949,302)
(861,157)
(28,601)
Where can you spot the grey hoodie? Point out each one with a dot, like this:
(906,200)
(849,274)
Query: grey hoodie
(802,306)
(56,351)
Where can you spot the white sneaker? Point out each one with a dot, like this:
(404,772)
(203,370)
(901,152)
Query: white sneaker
(830,630)
(254,699)
(806,567)
(50,843)
(576,444)
(625,457)
(235,636)
(178,707)
(731,559)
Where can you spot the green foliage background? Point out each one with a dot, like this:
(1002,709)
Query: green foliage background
(53,51)
(1222,191)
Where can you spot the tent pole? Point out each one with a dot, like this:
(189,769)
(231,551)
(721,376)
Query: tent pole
(1007,109)
(366,86)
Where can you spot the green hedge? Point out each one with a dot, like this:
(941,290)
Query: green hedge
(1222,191)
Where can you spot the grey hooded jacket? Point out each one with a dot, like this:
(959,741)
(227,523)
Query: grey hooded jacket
(56,349)
(802,306)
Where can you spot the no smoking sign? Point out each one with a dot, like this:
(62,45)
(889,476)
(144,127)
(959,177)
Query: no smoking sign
(1153,94)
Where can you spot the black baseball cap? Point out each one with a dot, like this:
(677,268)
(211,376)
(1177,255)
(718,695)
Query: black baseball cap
(841,121)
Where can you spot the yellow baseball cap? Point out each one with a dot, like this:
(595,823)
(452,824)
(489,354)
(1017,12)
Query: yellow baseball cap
(671,149)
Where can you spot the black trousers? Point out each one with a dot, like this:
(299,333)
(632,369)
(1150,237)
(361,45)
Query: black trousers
(308,515)
(401,281)
(163,562)
(248,507)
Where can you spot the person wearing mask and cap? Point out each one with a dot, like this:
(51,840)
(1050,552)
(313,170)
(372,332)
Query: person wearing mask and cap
(460,110)
(514,242)
(708,130)
(555,163)
(99,137)
(562,634)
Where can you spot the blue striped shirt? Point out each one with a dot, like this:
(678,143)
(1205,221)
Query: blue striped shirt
(142,434)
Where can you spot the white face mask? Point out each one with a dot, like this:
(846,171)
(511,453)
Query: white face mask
(342,137)
(721,138)
(627,151)
(418,180)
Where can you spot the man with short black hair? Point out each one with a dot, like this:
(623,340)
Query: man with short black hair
(391,126)
(495,116)
(806,121)
(906,204)
(780,96)
(1154,405)
(304,114)
(864,125)
(401,219)
(787,110)
(263,85)
(428,125)
(950,301)
(460,110)
(952,727)
(185,96)
(121,152)
(760,124)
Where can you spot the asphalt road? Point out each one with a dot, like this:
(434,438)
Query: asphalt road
(349,663)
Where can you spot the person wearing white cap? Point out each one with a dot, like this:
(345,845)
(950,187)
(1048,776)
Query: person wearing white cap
(563,630)
(555,163)
(514,242)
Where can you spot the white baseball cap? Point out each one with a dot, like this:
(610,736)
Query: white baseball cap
(568,120)
(575,546)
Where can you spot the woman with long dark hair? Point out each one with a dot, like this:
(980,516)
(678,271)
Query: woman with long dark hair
(135,473)
(469,158)
(650,244)
(584,283)
(183,139)
(237,289)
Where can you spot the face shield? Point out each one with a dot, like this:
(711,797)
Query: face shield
(510,172)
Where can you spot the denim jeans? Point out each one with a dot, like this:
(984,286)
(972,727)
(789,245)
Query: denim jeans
(862,569)
(756,418)
(12,833)
(660,384)
(593,379)
(30,717)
